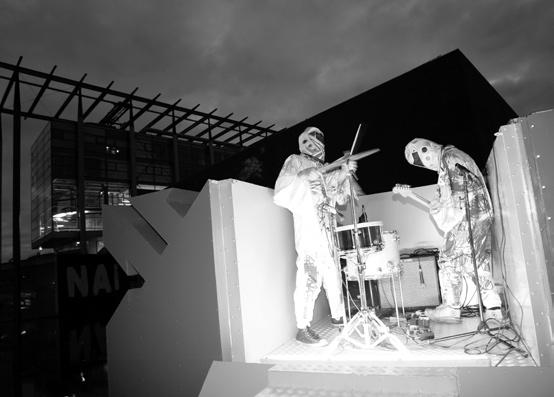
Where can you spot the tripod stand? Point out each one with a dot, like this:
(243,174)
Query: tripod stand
(483,327)
(369,328)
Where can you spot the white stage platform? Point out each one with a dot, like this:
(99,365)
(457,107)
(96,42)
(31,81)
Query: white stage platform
(219,270)
(450,353)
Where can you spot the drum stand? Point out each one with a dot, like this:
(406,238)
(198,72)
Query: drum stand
(369,328)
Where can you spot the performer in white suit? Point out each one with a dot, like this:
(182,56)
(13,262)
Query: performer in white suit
(448,211)
(311,197)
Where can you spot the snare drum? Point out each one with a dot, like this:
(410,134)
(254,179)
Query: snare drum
(384,263)
(370,234)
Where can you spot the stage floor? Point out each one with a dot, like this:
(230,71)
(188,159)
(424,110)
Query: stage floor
(478,350)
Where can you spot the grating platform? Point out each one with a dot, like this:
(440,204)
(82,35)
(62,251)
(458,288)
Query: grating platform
(342,380)
(478,350)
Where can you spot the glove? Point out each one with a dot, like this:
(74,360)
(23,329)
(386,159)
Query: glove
(350,166)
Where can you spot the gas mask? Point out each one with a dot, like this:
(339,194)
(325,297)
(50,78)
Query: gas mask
(423,153)
(311,142)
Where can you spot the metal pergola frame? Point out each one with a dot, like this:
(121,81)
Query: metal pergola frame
(187,123)
(126,112)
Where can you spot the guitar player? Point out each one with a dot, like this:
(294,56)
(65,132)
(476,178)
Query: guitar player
(449,213)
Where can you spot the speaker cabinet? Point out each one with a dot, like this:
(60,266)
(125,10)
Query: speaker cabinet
(419,281)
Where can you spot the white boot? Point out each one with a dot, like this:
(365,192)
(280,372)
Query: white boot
(444,314)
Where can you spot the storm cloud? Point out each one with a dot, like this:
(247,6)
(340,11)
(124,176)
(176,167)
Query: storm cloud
(276,61)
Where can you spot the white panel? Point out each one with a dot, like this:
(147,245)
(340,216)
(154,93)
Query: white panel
(226,271)
(267,269)
(160,208)
(255,260)
(411,220)
(538,136)
(163,336)
(518,254)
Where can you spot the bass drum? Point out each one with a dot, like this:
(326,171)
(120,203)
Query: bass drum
(384,263)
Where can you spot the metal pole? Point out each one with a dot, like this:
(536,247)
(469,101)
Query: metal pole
(175,146)
(81,177)
(395,300)
(211,143)
(401,294)
(16,237)
(1,178)
(356,242)
(132,153)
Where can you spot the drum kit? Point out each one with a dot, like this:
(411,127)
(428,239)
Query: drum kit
(379,253)
(370,254)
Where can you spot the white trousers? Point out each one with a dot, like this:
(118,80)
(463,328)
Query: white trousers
(313,272)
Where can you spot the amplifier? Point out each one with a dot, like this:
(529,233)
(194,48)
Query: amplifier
(420,284)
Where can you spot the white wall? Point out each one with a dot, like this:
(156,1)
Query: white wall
(411,220)
(256,271)
(266,253)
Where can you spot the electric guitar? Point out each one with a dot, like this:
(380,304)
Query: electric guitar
(406,191)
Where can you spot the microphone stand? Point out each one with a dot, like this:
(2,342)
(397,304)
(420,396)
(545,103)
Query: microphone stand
(483,327)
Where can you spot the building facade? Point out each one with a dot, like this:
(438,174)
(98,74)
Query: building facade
(157,162)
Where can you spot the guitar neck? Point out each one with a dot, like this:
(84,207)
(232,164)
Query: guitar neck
(420,199)
(406,191)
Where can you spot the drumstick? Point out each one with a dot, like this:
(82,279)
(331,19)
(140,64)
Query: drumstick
(340,161)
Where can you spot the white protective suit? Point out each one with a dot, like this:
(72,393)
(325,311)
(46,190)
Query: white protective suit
(313,211)
(448,211)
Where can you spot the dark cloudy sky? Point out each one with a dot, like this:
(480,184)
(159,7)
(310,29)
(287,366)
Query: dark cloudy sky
(279,61)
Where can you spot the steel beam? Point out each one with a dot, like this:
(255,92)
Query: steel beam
(260,132)
(131,143)
(244,131)
(16,233)
(1,180)
(236,124)
(81,202)
(175,122)
(105,91)
(197,122)
(76,88)
(10,84)
(42,90)
(141,111)
(210,128)
(159,117)
(98,99)
(175,147)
